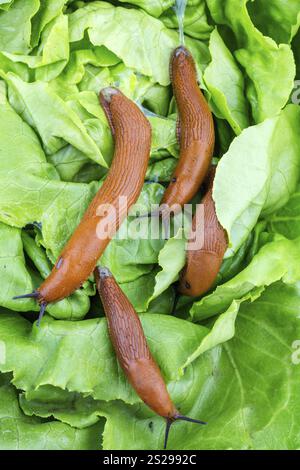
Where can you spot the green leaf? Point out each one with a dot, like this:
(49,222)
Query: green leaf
(157,99)
(153,7)
(133,251)
(279,19)
(15,278)
(262,169)
(171,259)
(118,28)
(26,176)
(78,356)
(274,261)
(225,83)
(195,23)
(53,52)
(18,279)
(246,387)
(38,105)
(162,170)
(19,432)
(287,220)
(264,62)
(48,11)
(16,39)
(222,382)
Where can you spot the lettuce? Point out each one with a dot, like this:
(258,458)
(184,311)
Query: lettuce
(116,28)
(262,59)
(225,82)
(223,354)
(262,168)
(235,376)
(276,18)
(20,432)
(17,39)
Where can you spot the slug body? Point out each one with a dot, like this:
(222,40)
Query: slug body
(195,131)
(131,347)
(129,342)
(125,179)
(203,264)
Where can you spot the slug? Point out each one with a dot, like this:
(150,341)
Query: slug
(195,133)
(203,264)
(132,135)
(129,342)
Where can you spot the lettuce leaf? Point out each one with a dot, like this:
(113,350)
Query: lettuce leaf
(278,19)
(225,84)
(48,11)
(26,176)
(274,261)
(19,432)
(16,39)
(38,103)
(53,52)
(262,169)
(286,221)
(90,353)
(116,28)
(55,150)
(262,59)
(195,20)
(223,383)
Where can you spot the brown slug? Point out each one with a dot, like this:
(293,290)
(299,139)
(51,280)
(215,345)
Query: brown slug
(129,342)
(195,133)
(132,135)
(203,264)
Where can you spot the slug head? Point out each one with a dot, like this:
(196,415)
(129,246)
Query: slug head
(106,94)
(181,62)
(106,97)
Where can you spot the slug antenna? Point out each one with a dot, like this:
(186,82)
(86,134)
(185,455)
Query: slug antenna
(190,420)
(170,421)
(168,425)
(33,295)
(41,314)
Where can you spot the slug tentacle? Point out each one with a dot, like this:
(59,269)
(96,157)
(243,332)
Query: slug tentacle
(172,420)
(41,314)
(33,295)
(190,420)
(168,425)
